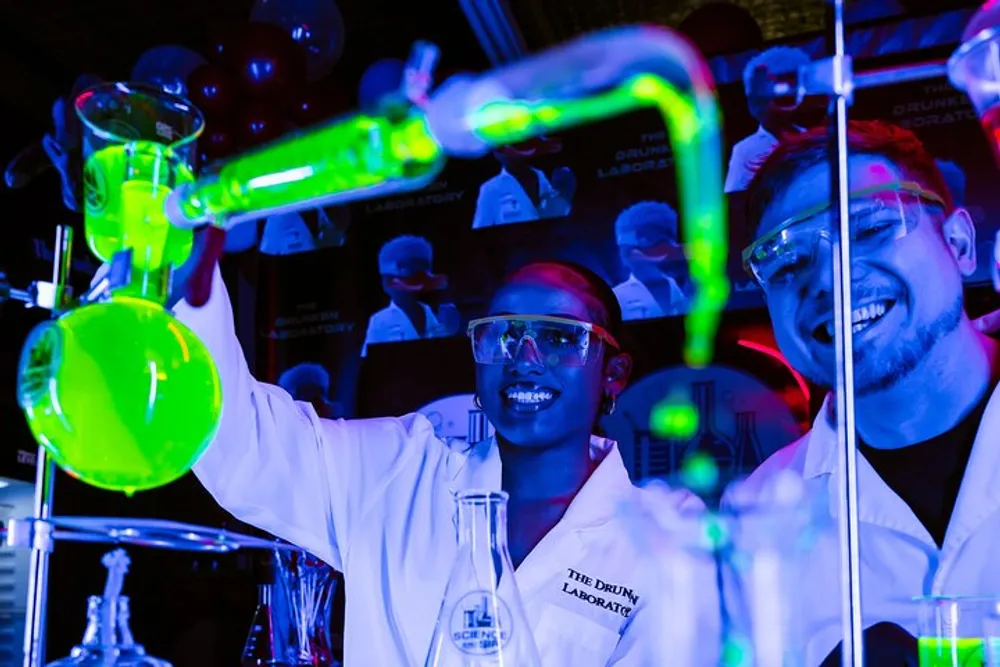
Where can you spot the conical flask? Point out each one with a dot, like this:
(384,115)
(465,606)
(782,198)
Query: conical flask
(482,622)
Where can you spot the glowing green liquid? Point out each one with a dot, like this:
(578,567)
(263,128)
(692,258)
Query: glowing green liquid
(121,394)
(941,652)
(125,187)
(348,156)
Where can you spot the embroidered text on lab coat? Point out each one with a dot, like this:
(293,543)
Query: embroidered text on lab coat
(600,593)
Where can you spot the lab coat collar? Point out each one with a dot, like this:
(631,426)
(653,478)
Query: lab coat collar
(479,466)
(545,188)
(978,498)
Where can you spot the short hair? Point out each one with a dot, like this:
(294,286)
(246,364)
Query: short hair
(586,281)
(645,212)
(774,59)
(304,374)
(403,247)
(802,151)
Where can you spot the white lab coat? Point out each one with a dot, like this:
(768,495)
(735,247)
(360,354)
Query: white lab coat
(746,153)
(638,303)
(899,558)
(503,201)
(392,325)
(373,498)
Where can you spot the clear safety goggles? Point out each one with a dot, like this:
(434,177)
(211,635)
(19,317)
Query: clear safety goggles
(878,215)
(556,341)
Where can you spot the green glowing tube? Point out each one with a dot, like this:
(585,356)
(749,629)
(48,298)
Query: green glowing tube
(356,157)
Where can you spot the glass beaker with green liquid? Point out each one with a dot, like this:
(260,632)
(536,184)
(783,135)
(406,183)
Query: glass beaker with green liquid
(950,630)
(121,394)
(138,147)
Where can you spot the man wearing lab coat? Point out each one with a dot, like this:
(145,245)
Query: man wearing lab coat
(926,411)
(522,193)
(406,266)
(648,243)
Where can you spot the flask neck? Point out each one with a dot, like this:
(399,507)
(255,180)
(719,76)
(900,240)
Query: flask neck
(264,595)
(150,285)
(482,520)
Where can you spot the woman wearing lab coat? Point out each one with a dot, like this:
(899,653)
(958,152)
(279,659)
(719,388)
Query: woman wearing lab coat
(374,498)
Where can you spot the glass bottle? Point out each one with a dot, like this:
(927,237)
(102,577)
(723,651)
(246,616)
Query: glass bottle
(108,641)
(748,451)
(707,439)
(260,647)
(482,621)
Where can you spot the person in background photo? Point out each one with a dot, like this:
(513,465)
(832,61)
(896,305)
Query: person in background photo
(310,383)
(776,120)
(286,234)
(650,249)
(522,193)
(406,266)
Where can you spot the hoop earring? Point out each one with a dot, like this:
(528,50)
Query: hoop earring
(610,404)
(476,402)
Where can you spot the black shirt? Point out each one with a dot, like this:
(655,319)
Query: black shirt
(928,474)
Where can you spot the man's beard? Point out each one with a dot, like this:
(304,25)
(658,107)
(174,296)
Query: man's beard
(896,361)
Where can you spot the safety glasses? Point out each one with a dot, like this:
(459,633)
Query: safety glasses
(556,341)
(878,216)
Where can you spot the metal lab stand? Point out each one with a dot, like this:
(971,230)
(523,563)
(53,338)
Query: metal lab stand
(833,78)
(41,531)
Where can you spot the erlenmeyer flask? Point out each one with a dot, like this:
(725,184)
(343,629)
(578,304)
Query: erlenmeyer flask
(482,622)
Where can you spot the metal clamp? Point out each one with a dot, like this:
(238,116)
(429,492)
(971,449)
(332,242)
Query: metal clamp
(827,77)
(29,534)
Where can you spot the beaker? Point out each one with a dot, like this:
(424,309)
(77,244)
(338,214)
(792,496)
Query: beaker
(138,146)
(951,628)
(482,621)
(765,541)
(304,590)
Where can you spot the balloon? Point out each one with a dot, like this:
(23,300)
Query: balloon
(167,67)
(258,124)
(383,77)
(313,105)
(213,90)
(316,25)
(266,62)
(215,143)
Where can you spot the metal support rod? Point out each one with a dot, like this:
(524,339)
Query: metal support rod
(850,574)
(38,572)
(889,76)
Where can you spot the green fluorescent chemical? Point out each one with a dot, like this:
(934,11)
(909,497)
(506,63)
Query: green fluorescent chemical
(947,652)
(125,187)
(356,153)
(120,394)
